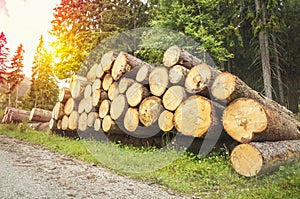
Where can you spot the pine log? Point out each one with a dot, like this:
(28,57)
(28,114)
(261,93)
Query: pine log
(173,97)
(15,115)
(107,60)
(159,81)
(228,87)
(200,78)
(64,95)
(88,104)
(176,55)
(108,125)
(149,110)
(196,116)
(59,123)
(96,85)
(113,91)
(131,119)
(40,115)
(97,124)
(104,108)
(136,93)
(177,74)
(143,73)
(73,120)
(87,91)
(99,72)
(257,158)
(65,123)
(124,63)
(77,87)
(39,126)
(81,105)
(124,84)
(118,107)
(58,111)
(70,106)
(53,124)
(96,98)
(165,121)
(92,116)
(107,81)
(82,121)
(91,75)
(247,120)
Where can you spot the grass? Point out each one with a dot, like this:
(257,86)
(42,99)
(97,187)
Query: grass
(209,177)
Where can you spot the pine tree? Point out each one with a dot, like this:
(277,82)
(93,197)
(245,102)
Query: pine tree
(4,58)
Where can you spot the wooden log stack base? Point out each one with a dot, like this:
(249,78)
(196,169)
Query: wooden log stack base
(258,158)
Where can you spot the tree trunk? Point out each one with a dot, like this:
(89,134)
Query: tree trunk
(197,115)
(40,115)
(17,96)
(177,74)
(58,111)
(104,108)
(165,121)
(173,97)
(149,110)
(64,95)
(118,107)
(15,115)
(176,55)
(131,119)
(136,93)
(258,158)
(247,120)
(158,81)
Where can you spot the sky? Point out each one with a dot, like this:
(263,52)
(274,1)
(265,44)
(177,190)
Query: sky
(23,21)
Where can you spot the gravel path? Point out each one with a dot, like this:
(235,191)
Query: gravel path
(30,171)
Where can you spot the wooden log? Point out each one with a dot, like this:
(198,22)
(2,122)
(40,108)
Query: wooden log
(88,104)
(91,75)
(87,91)
(73,120)
(113,91)
(176,55)
(15,115)
(96,85)
(92,116)
(104,108)
(58,111)
(40,115)
(131,119)
(149,110)
(70,106)
(124,84)
(39,126)
(65,123)
(257,158)
(99,72)
(107,60)
(159,81)
(53,124)
(124,63)
(59,123)
(173,97)
(77,87)
(96,98)
(200,78)
(118,107)
(81,105)
(247,120)
(64,95)
(228,87)
(107,81)
(165,121)
(82,121)
(97,124)
(196,116)
(143,73)
(177,74)
(108,125)
(136,93)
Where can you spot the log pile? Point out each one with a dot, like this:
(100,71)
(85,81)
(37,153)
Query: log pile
(123,95)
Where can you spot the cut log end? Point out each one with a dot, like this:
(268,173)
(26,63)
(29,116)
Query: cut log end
(173,97)
(223,86)
(118,107)
(171,56)
(165,121)
(135,94)
(131,119)
(159,81)
(149,110)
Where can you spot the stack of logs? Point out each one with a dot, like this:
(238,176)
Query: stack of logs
(184,95)
(37,119)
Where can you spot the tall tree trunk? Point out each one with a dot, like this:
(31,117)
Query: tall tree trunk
(264,51)
(17,96)
(278,71)
(9,96)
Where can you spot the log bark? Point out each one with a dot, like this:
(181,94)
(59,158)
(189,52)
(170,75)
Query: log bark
(91,75)
(247,120)
(159,81)
(176,55)
(173,97)
(107,60)
(70,106)
(228,87)
(136,93)
(165,121)
(118,107)
(64,95)
(58,111)
(82,122)
(107,81)
(104,108)
(149,110)
(113,91)
(73,120)
(77,87)
(96,85)
(87,91)
(15,115)
(143,73)
(40,115)
(65,123)
(124,63)
(257,158)
(200,78)
(124,84)
(197,116)
(131,119)
(92,116)
(177,74)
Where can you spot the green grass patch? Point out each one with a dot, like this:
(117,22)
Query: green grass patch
(210,177)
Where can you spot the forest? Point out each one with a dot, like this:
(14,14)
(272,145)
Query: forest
(255,40)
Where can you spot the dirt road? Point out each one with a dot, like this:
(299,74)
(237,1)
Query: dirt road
(30,171)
